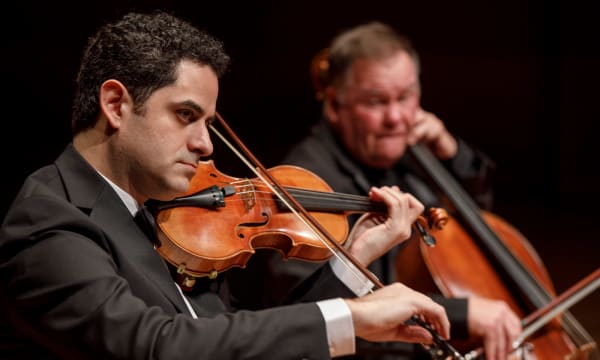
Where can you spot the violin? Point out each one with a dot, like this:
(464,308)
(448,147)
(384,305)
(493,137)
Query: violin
(222,219)
(256,218)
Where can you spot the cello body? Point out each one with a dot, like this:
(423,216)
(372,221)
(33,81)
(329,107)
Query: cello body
(480,254)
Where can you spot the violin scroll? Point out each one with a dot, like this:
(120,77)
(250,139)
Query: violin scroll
(433,218)
(436,218)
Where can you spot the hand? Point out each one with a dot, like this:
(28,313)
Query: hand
(430,130)
(381,315)
(375,234)
(496,324)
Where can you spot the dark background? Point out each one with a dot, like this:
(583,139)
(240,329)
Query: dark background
(518,79)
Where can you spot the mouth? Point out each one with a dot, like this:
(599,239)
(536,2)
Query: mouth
(192,165)
(391,136)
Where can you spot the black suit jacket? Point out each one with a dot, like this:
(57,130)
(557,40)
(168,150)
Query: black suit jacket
(79,279)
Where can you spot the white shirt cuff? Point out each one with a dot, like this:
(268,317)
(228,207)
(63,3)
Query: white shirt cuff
(339,327)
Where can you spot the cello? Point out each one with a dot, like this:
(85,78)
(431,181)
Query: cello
(499,263)
(490,258)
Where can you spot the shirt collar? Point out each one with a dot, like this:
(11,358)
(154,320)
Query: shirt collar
(127,199)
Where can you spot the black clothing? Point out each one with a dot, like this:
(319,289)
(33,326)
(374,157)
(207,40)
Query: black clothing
(79,279)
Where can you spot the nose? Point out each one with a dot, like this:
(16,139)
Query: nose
(199,141)
(396,114)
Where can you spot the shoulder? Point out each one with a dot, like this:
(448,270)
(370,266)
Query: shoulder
(315,151)
(41,206)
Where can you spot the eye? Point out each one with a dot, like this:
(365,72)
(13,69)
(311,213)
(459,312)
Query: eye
(375,101)
(187,115)
(407,95)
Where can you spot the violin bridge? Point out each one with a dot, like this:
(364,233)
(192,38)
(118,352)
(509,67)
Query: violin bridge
(247,193)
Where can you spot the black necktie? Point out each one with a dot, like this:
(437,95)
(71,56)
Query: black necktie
(145,221)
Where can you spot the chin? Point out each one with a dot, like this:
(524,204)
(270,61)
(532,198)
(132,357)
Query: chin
(382,165)
(384,162)
(378,163)
(173,190)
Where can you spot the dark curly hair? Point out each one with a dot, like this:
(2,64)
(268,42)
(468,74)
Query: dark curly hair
(142,51)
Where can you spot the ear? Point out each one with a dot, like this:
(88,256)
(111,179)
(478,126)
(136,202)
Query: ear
(115,102)
(331,105)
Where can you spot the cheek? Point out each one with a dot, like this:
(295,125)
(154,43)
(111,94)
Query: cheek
(153,141)
(411,111)
(159,148)
(167,135)
(367,121)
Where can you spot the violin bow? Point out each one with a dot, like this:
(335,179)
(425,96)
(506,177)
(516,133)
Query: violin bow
(444,347)
(291,202)
(544,314)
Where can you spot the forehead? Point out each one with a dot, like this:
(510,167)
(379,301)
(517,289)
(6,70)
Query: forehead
(196,83)
(395,72)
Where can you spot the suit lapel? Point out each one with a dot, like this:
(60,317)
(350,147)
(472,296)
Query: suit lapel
(119,224)
(94,196)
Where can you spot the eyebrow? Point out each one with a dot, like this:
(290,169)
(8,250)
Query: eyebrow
(197,108)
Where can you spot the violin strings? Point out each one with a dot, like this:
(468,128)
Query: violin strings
(324,197)
(334,195)
(317,200)
(317,197)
